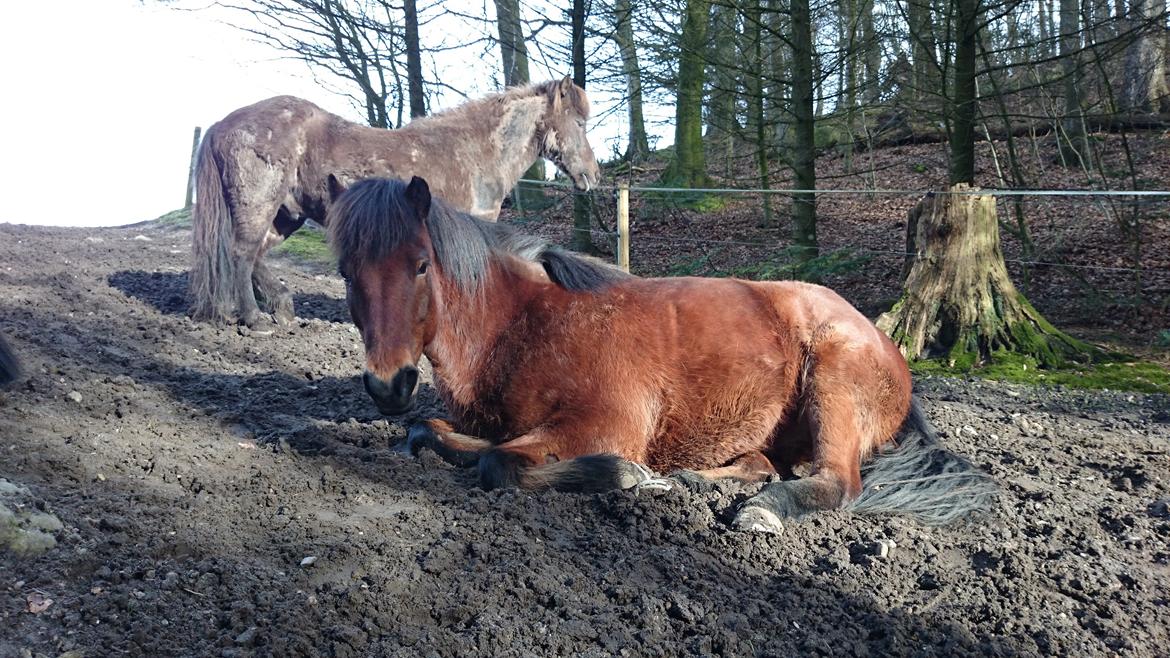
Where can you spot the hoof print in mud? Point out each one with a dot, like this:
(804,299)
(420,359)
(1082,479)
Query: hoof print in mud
(757,519)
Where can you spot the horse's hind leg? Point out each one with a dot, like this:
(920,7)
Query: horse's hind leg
(271,294)
(840,393)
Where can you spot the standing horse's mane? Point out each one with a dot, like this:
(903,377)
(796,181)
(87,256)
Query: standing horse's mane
(578,99)
(374,217)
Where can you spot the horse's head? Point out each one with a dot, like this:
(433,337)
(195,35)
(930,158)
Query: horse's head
(563,136)
(378,229)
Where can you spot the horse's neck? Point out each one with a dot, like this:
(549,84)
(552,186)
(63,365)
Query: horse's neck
(516,139)
(470,325)
(497,141)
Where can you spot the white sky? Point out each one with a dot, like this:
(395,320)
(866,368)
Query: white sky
(102,98)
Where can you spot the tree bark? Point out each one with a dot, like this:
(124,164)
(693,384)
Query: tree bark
(959,304)
(689,166)
(514,53)
(754,28)
(414,79)
(872,48)
(1145,87)
(722,122)
(1074,146)
(637,146)
(964,108)
(804,210)
(582,206)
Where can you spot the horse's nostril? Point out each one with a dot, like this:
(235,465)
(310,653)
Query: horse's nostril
(404,382)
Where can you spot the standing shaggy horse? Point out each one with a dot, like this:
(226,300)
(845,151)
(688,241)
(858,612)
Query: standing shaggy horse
(266,168)
(575,373)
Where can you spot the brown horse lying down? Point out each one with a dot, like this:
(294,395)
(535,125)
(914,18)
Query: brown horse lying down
(574,373)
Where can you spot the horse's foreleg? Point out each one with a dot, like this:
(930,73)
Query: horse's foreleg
(573,460)
(749,467)
(438,436)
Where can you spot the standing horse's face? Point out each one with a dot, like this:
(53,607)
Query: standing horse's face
(565,143)
(390,301)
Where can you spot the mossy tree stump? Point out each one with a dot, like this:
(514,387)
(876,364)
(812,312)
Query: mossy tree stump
(959,305)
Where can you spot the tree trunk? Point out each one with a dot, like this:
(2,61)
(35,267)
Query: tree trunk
(924,80)
(1145,87)
(638,146)
(414,79)
(964,101)
(514,53)
(754,27)
(959,305)
(689,166)
(1074,146)
(722,123)
(871,46)
(804,209)
(582,206)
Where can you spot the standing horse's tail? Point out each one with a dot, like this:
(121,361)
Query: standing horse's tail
(921,478)
(212,282)
(9,366)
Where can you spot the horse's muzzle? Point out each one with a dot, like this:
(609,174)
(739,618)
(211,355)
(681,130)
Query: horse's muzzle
(397,395)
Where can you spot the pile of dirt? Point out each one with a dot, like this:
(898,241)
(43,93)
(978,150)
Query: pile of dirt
(226,493)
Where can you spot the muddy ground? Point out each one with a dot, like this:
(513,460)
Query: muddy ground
(194,468)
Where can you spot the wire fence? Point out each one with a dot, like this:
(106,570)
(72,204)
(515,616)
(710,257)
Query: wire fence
(1082,255)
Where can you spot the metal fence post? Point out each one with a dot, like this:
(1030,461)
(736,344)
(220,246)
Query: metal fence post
(623,224)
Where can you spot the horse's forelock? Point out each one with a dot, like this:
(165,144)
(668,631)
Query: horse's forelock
(371,219)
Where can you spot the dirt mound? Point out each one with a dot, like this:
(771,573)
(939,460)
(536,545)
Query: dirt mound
(226,493)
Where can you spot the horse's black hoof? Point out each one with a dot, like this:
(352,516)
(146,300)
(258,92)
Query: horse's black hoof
(420,436)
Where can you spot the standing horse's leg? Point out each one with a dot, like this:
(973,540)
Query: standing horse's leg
(273,295)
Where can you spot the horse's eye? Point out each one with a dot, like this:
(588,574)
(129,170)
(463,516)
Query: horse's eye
(422,267)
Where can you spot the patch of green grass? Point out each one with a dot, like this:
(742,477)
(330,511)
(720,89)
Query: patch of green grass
(1117,372)
(180,218)
(307,244)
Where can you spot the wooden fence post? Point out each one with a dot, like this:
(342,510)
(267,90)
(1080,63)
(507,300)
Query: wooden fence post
(191,170)
(623,224)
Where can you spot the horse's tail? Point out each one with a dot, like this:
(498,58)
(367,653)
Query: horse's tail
(921,478)
(589,474)
(9,366)
(212,282)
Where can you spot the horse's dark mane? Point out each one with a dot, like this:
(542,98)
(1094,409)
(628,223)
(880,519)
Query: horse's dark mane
(374,217)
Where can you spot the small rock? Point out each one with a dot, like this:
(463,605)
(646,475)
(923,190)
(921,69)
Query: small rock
(1160,508)
(75,396)
(247,638)
(142,238)
(309,561)
(969,431)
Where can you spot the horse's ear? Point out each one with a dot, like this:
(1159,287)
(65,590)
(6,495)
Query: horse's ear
(566,86)
(419,195)
(336,188)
